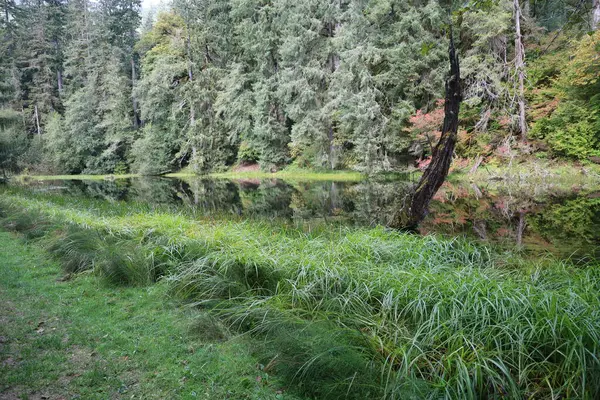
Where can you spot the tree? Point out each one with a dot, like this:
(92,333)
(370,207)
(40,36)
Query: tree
(520,70)
(595,15)
(437,171)
(160,91)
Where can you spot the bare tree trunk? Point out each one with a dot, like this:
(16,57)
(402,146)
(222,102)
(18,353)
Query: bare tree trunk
(134,103)
(520,229)
(596,15)
(192,110)
(480,229)
(333,63)
(437,171)
(331,154)
(37,120)
(59,80)
(520,69)
(189,57)
(476,164)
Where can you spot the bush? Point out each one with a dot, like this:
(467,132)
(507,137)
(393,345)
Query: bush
(247,154)
(572,130)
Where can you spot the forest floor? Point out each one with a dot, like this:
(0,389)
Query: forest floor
(82,338)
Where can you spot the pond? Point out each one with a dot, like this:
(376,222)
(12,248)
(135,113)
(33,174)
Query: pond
(562,222)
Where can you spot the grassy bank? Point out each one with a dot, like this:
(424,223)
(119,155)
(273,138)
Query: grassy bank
(532,172)
(347,313)
(539,174)
(287,174)
(82,338)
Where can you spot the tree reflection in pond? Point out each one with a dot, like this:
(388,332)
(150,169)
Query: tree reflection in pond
(566,223)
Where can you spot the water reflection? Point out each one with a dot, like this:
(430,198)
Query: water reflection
(564,223)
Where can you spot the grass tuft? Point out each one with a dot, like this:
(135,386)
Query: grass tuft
(363,313)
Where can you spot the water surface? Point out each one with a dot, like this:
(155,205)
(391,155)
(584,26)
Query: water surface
(563,222)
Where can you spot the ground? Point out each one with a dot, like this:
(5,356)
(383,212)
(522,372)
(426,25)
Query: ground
(83,339)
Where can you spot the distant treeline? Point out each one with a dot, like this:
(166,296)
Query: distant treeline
(88,87)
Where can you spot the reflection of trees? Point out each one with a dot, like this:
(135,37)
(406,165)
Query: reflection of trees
(479,213)
(572,225)
(210,196)
(556,221)
(328,201)
(516,219)
(268,199)
(153,190)
(116,190)
(377,202)
(149,190)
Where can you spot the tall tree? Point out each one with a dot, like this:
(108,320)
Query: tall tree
(519,69)
(437,171)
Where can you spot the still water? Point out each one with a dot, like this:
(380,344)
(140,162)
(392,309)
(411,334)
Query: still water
(565,223)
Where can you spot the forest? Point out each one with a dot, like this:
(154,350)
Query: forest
(90,87)
(300,199)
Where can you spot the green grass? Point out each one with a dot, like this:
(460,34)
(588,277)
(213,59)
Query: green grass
(539,175)
(533,172)
(290,174)
(82,338)
(352,313)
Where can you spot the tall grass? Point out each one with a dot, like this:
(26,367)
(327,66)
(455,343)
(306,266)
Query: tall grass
(352,313)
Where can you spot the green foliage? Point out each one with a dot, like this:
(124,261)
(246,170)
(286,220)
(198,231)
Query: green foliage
(142,333)
(381,314)
(572,127)
(13,144)
(573,221)
(315,84)
(247,154)
(572,130)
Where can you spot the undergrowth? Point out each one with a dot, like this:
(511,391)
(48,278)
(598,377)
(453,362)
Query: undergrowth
(349,313)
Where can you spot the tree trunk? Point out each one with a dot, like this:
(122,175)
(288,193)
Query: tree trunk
(37,120)
(520,229)
(596,15)
(437,171)
(331,154)
(59,80)
(192,110)
(520,69)
(134,103)
(476,164)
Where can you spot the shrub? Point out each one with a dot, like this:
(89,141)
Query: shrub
(572,130)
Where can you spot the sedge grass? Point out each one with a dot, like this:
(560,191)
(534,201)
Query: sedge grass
(368,313)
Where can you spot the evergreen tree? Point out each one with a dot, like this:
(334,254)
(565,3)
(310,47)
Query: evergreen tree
(164,72)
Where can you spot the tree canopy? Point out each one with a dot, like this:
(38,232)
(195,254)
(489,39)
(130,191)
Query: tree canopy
(87,88)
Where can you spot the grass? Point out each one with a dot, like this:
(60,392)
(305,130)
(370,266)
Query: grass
(353,313)
(535,174)
(289,173)
(82,338)
(300,175)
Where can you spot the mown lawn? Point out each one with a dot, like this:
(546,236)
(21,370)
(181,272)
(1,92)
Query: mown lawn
(85,339)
